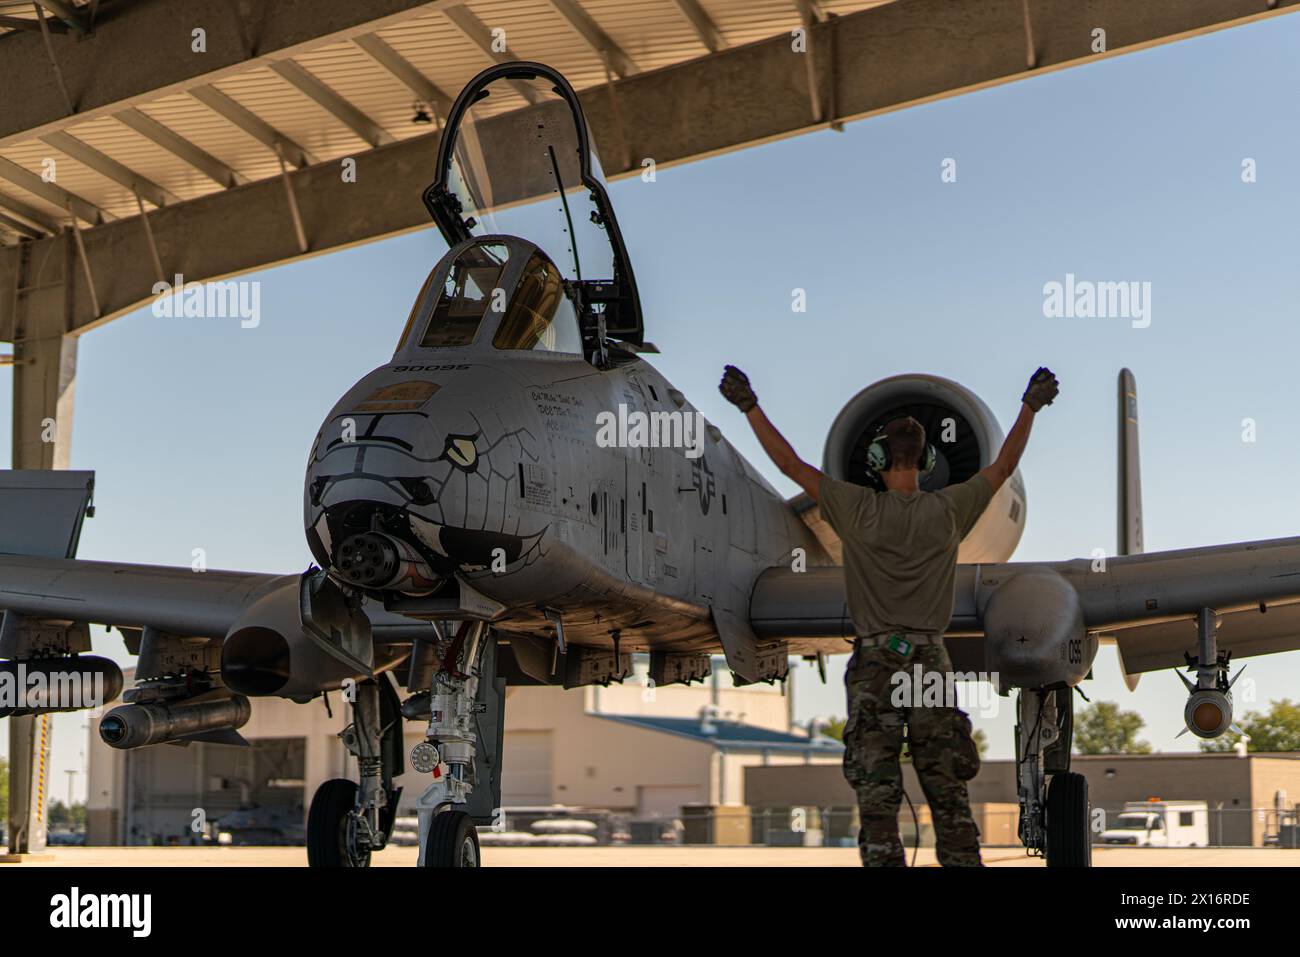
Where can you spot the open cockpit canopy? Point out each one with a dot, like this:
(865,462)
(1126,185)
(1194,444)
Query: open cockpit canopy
(534,165)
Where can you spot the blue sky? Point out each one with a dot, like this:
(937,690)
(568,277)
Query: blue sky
(1124,170)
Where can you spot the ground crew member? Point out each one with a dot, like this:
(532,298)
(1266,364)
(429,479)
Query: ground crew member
(900,562)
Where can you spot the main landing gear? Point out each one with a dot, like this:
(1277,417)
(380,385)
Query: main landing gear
(1053,810)
(347,821)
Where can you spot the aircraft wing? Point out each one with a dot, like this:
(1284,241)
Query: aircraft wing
(1146,603)
(176,600)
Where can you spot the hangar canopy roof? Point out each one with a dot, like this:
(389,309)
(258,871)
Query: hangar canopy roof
(229,124)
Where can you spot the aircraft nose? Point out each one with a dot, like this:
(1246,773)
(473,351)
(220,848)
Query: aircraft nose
(405,489)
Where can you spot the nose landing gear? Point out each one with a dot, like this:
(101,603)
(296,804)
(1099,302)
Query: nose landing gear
(448,837)
(458,693)
(452,841)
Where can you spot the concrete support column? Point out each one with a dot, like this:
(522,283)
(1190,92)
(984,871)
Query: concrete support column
(39,311)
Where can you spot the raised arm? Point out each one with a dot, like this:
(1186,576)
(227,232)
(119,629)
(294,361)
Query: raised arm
(1042,389)
(736,389)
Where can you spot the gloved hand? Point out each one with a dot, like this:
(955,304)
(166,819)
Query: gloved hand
(735,389)
(1042,389)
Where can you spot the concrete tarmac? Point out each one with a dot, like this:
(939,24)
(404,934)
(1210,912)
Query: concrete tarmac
(639,856)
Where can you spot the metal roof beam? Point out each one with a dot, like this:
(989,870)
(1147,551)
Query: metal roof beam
(253,125)
(19,227)
(600,41)
(702,24)
(30,213)
(477,32)
(204,162)
(52,193)
(19,23)
(890,56)
(405,71)
(324,97)
(65,12)
(108,167)
(142,52)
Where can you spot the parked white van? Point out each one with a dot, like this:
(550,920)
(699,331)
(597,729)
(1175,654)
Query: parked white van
(1157,823)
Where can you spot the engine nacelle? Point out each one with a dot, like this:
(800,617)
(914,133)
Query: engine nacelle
(1208,712)
(1034,635)
(296,641)
(966,438)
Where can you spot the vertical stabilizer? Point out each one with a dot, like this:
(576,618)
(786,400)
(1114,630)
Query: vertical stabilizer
(1128,499)
(1128,492)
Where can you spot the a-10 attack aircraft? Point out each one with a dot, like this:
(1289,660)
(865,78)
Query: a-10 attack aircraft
(473,530)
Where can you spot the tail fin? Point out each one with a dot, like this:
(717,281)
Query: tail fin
(1128,493)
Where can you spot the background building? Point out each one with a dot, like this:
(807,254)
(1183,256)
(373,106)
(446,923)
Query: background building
(630,748)
(1249,798)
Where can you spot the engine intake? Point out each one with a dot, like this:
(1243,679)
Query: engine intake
(296,641)
(966,438)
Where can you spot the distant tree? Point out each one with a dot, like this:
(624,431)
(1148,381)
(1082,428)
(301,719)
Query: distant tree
(1276,730)
(59,815)
(832,728)
(1102,728)
(981,740)
(4,786)
(66,818)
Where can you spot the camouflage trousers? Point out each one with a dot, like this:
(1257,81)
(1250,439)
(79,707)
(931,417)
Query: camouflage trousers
(941,749)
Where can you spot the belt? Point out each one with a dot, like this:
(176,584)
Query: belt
(879,639)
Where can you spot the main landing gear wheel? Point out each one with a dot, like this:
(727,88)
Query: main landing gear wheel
(1069,843)
(452,841)
(331,827)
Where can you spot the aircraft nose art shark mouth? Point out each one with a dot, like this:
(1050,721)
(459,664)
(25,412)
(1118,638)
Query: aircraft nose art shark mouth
(395,517)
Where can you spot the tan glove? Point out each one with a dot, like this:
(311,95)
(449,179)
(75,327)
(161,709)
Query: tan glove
(736,390)
(1042,389)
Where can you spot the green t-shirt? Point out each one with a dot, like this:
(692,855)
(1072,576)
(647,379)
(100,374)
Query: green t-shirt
(900,551)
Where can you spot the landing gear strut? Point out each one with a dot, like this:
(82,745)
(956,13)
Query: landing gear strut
(448,837)
(347,821)
(1053,814)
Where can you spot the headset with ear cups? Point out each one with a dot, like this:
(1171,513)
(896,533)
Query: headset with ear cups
(879,458)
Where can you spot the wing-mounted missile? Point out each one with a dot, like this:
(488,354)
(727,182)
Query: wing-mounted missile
(965,436)
(1208,712)
(213,718)
(516,138)
(48,670)
(57,684)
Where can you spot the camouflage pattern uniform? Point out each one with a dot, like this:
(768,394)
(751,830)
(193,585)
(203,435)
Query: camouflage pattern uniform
(943,753)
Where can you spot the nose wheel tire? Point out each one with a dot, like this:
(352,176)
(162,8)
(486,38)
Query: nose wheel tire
(331,830)
(1069,841)
(452,841)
